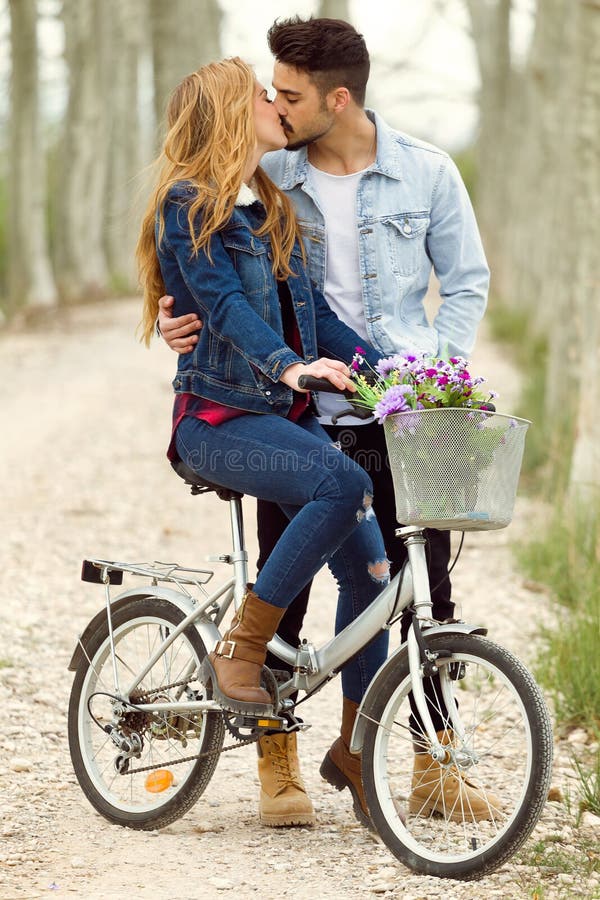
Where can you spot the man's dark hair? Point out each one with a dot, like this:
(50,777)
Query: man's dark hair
(330,51)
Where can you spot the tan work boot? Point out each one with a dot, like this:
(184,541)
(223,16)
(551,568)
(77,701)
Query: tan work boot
(237,660)
(343,769)
(283,797)
(436,788)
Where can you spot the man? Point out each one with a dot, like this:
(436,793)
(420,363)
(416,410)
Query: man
(377,209)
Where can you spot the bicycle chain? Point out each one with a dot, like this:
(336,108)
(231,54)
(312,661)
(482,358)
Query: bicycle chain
(207,753)
(204,755)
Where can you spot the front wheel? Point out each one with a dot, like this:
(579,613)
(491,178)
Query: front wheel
(465,815)
(110,778)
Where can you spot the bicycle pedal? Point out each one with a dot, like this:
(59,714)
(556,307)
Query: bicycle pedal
(275,723)
(272,722)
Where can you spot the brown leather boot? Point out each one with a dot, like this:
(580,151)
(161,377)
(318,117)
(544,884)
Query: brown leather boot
(343,769)
(283,797)
(445,790)
(234,667)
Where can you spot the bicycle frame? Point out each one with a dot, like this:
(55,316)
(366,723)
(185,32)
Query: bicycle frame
(312,667)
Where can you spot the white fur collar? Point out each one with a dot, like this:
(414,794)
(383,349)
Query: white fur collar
(246,196)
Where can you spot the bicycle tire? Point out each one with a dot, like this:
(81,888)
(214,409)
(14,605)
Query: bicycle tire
(125,799)
(427,820)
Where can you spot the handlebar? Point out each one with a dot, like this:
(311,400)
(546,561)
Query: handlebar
(310,383)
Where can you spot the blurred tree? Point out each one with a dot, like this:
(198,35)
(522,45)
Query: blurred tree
(82,270)
(123,49)
(539,201)
(582,201)
(29,273)
(334,9)
(185,35)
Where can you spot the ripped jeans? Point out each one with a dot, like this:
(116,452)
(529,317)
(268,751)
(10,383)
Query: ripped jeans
(327,498)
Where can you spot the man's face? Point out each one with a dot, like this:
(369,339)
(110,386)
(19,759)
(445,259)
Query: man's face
(304,113)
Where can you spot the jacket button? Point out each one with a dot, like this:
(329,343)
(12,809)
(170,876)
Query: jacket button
(268,393)
(406,228)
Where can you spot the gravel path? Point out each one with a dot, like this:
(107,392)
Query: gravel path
(86,413)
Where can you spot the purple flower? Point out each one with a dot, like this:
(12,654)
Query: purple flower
(431,373)
(442,380)
(360,350)
(387,365)
(394,401)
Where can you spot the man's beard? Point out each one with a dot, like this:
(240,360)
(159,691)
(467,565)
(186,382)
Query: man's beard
(302,142)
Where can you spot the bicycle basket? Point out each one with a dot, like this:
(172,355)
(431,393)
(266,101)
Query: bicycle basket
(455,468)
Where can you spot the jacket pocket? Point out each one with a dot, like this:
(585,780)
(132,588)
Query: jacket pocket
(251,258)
(405,235)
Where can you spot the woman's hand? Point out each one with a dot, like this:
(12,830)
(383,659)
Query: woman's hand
(332,369)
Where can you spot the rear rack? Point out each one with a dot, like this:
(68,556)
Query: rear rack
(101,571)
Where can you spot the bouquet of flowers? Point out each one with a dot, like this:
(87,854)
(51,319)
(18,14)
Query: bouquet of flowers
(447,447)
(403,383)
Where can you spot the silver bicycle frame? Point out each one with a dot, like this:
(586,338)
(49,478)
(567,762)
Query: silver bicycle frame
(312,666)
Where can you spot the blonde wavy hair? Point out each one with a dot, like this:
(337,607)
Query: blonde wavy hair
(210,118)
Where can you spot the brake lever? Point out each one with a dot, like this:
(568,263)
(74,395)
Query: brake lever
(357,412)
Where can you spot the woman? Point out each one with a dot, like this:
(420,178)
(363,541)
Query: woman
(222,238)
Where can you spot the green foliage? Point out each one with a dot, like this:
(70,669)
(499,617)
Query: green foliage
(564,556)
(3,242)
(568,665)
(550,857)
(589,781)
(467,166)
(546,460)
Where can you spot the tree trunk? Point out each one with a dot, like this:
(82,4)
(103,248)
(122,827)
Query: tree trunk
(334,9)
(584,241)
(186,34)
(82,269)
(122,57)
(30,278)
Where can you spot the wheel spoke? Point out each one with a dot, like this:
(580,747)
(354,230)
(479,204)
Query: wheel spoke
(139,630)
(452,817)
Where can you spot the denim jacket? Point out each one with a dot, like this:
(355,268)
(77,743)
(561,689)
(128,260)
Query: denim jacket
(241,354)
(413,212)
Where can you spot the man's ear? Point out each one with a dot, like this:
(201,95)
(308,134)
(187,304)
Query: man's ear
(338,99)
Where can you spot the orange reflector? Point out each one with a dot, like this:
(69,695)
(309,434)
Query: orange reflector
(158,781)
(269,723)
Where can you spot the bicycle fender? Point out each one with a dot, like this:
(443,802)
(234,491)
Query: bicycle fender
(368,701)
(208,630)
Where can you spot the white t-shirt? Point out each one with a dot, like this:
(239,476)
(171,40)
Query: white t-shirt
(343,286)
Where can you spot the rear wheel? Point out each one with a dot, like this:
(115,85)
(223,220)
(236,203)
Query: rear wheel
(465,816)
(108,776)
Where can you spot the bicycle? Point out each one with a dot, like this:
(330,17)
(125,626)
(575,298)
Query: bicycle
(141,705)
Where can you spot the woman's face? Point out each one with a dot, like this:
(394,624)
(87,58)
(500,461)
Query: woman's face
(269,130)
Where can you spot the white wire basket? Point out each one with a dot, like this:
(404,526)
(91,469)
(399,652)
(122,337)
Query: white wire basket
(455,468)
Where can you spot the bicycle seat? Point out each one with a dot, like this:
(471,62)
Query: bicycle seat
(201,485)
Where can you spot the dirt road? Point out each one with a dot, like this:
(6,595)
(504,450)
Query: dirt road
(85,412)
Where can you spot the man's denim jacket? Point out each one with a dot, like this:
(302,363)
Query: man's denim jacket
(241,354)
(413,211)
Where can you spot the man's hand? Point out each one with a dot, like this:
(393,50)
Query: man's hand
(332,369)
(180,333)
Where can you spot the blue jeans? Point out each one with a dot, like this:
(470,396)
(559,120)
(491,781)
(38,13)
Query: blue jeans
(327,499)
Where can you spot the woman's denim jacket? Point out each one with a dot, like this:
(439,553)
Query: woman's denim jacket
(413,211)
(241,354)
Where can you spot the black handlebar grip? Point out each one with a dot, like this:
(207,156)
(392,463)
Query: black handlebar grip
(310,383)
